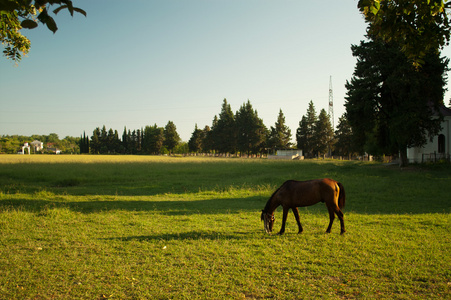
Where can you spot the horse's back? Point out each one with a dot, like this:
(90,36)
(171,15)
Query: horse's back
(306,193)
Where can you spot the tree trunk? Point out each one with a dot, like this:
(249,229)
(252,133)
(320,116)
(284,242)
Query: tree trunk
(403,161)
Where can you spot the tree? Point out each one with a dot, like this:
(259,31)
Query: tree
(417,26)
(171,137)
(345,144)
(95,141)
(153,139)
(280,135)
(207,143)
(195,143)
(18,14)
(251,132)
(323,138)
(224,130)
(84,144)
(306,131)
(389,102)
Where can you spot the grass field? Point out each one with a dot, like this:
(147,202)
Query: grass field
(140,227)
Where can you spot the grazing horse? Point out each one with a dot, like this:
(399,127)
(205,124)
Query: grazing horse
(293,194)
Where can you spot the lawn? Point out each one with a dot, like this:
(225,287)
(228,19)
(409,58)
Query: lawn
(144,227)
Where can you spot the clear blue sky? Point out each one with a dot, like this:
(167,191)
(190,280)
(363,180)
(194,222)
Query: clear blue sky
(141,62)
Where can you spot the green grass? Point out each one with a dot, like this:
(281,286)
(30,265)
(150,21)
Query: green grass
(138,227)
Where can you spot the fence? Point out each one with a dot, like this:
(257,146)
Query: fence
(435,157)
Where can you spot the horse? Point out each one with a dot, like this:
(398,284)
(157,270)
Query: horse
(293,194)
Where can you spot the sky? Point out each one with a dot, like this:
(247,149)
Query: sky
(144,62)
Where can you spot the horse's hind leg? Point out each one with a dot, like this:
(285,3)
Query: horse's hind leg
(284,220)
(342,222)
(339,213)
(331,218)
(296,215)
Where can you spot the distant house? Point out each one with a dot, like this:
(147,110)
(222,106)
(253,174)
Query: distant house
(439,148)
(37,145)
(287,154)
(54,150)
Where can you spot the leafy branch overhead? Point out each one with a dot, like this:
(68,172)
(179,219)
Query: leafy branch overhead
(18,14)
(416,25)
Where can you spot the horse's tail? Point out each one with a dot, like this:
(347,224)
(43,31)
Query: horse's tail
(341,196)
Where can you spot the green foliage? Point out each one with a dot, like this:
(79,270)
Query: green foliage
(171,137)
(279,136)
(306,131)
(346,144)
(418,26)
(153,140)
(140,227)
(18,14)
(196,142)
(11,144)
(315,134)
(224,130)
(392,103)
(251,132)
(324,134)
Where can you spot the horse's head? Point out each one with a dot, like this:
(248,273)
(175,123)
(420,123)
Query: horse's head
(268,220)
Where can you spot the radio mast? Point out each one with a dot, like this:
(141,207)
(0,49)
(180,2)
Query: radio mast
(331,104)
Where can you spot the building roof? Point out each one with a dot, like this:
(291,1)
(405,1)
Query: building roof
(445,111)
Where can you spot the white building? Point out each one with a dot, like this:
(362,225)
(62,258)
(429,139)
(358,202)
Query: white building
(287,154)
(37,145)
(439,148)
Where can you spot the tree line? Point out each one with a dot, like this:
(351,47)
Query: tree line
(11,144)
(149,140)
(239,133)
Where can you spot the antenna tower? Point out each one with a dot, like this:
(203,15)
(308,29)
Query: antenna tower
(331,104)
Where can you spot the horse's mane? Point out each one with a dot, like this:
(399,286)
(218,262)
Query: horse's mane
(268,203)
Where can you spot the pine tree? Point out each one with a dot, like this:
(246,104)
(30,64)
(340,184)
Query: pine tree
(324,134)
(280,135)
(195,143)
(251,132)
(224,130)
(124,143)
(95,141)
(345,139)
(306,131)
(391,104)
(171,137)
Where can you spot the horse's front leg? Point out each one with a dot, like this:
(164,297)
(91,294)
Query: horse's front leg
(296,215)
(284,220)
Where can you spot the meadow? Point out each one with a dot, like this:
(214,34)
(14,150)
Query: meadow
(144,227)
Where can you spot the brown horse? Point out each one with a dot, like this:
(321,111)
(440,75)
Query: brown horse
(293,194)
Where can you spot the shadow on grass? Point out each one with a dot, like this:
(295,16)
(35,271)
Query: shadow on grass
(220,206)
(171,208)
(191,235)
